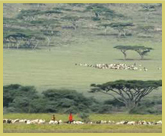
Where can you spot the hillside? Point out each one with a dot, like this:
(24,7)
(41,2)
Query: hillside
(43,42)
(40,25)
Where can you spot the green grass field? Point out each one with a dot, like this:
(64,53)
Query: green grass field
(56,68)
(87,128)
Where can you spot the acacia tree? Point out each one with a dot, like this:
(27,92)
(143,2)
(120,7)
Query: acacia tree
(141,50)
(105,27)
(146,28)
(129,92)
(123,49)
(121,27)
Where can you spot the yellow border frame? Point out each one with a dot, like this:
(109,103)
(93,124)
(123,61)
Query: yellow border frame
(74,1)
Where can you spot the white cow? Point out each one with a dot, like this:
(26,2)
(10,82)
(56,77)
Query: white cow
(77,122)
(23,121)
(14,121)
(28,122)
(53,122)
(159,122)
(131,122)
(41,121)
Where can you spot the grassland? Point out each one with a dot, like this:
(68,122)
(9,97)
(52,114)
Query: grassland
(97,128)
(80,129)
(56,68)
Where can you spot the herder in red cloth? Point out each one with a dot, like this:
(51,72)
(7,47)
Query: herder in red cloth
(70,118)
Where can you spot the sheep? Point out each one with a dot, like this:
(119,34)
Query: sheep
(90,122)
(118,66)
(103,122)
(23,121)
(15,121)
(159,122)
(35,121)
(77,122)
(121,122)
(4,120)
(111,122)
(41,121)
(9,121)
(53,122)
(143,122)
(149,123)
(98,122)
(145,69)
(60,121)
(159,68)
(28,122)
(131,122)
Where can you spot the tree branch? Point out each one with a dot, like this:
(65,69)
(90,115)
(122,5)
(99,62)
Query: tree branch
(113,96)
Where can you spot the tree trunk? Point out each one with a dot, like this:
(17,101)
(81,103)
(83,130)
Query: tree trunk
(8,45)
(142,57)
(125,55)
(130,105)
(36,45)
(17,43)
(48,38)
(105,30)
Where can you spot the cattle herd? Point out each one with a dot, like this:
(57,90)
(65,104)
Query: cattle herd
(117,66)
(41,121)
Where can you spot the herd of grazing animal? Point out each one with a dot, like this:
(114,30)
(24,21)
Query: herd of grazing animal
(118,66)
(51,122)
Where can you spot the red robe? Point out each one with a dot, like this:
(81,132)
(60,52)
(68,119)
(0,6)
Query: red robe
(70,117)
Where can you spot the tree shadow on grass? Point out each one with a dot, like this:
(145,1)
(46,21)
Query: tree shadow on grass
(133,59)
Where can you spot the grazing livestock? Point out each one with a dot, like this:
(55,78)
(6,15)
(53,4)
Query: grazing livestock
(145,69)
(41,121)
(77,122)
(118,66)
(131,122)
(60,121)
(103,122)
(111,122)
(36,121)
(4,120)
(23,121)
(159,68)
(15,121)
(122,123)
(159,122)
(89,122)
(53,122)
(9,121)
(28,122)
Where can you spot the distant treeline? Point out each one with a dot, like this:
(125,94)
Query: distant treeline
(37,26)
(26,99)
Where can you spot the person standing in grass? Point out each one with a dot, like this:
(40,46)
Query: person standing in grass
(70,118)
(53,118)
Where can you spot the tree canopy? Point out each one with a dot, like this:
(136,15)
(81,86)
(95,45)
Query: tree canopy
(129,92)
(141,50)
